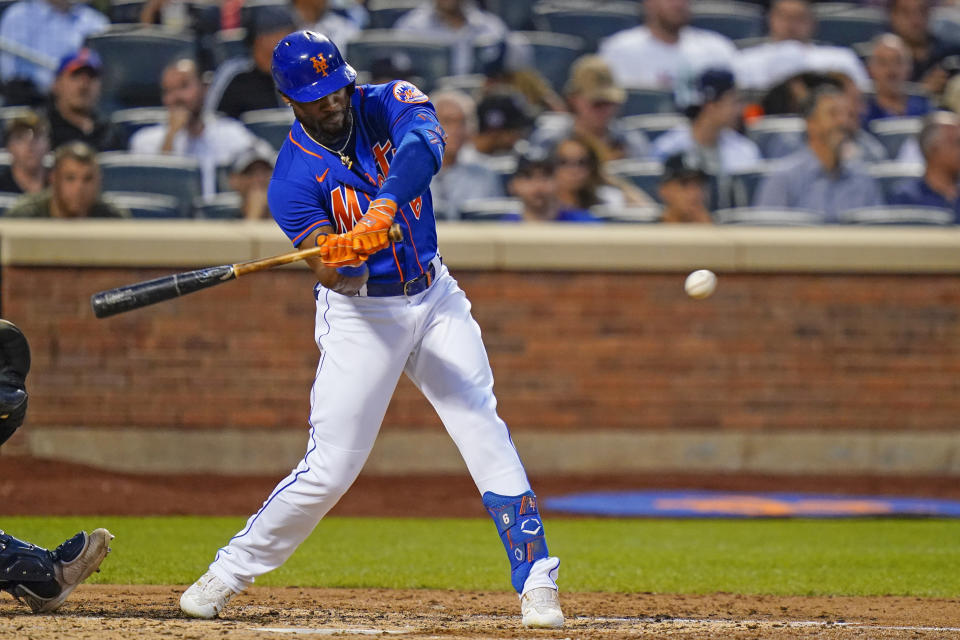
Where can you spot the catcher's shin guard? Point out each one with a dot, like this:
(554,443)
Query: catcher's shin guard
(521,531)
(27,567)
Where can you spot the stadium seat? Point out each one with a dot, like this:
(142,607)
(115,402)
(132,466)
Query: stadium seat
(775,135)
(945,23)
(893,132)
(384,13)
(272,125)
(892,215)
(654,124)
(431,60)
(166,175)
(760,216)
(7,200)
(646,101)
(850,26)
(145,205)
(470,83)
(133,62)
(489,209)
(642,173)
(229,44)
(132,120)
(890,174)
(553,53)
(517,14)
(125,11)
(589,20)
(744,185)
(223,206)
(250,7)
(736,20)
(641,215)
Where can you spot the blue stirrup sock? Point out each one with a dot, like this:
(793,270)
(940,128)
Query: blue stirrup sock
(521,530)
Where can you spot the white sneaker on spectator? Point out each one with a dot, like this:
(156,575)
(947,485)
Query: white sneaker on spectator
(206,597)
(541,609)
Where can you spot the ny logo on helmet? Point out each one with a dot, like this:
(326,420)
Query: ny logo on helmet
(319,64)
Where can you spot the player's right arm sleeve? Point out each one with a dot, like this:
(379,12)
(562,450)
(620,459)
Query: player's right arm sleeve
(296,208)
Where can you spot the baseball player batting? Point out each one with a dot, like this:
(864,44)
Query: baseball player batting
(41,578)
(358,160)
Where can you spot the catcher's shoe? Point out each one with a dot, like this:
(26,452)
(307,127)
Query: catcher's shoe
(541,609)
(73,562)
(206,597)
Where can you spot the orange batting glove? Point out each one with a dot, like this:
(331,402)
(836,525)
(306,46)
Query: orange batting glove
(337,251)
(370,234)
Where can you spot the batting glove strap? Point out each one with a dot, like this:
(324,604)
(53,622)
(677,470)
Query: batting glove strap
(521,531)
(370,234)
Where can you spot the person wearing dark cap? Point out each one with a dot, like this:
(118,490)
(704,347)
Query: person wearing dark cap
(534,185)
(503,120)
(28,141)
(250,177)
(245,84)
(711,102)
(683,189)
(73,109)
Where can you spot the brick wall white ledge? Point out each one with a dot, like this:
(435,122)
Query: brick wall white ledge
(598,451)
(638,247)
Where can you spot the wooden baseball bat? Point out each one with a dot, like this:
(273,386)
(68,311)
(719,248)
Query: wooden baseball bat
(141,294)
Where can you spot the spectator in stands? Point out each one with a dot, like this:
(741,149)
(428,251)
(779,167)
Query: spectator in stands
(460,23)
(889,67)
(535,185)
(863,146)
(74,99)
(790,50)
(42,30)
(210,139)
(654,54)
(250,177)
(910,19)
(582,183)
(172,14)
(683,189)
(712,103)
(511,68)
(245,84)
(940,144)
(503,121)
(816,177)
(316,15)
(594,100)
(459,180)
(74,190)
(28,141)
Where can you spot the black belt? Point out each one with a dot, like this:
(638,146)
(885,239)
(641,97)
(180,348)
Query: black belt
(408,288)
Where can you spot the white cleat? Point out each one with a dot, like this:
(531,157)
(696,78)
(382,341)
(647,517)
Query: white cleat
(206,597)
(541,609)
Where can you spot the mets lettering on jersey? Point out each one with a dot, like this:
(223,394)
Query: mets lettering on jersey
(311,187)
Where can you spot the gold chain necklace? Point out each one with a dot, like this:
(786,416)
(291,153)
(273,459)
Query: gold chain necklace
(344,159)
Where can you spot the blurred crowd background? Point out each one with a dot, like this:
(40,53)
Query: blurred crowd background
(782,112)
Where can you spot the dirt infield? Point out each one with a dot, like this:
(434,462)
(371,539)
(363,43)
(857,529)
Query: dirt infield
(108,612)
(111,612)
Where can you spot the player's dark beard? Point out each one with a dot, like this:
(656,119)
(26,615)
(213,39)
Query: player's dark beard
(332,131)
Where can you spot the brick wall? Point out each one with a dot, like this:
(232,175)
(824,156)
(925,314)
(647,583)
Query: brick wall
(569,351)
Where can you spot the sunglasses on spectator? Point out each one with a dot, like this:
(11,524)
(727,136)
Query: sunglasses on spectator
(582,161)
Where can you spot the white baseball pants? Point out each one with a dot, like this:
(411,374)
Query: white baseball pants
(365,344)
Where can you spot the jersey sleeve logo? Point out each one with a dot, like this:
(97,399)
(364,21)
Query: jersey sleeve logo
(406,92)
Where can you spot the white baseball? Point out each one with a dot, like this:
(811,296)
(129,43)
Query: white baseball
(700,284)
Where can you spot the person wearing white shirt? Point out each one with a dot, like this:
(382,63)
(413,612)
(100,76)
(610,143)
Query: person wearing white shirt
(712,103)
(43,30)
(654,55)
(791,51)
(189,131)
(460,23)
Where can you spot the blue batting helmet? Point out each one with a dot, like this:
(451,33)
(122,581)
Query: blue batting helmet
(308,66)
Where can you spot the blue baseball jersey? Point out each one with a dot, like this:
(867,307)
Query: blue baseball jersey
(311,187)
